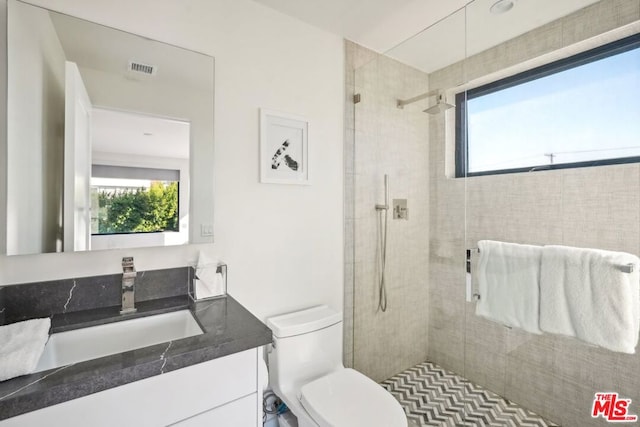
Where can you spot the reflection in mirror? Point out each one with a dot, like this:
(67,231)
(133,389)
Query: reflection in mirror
(138,160)
(106,133)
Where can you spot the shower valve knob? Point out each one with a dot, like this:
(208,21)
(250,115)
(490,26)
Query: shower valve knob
(400,210)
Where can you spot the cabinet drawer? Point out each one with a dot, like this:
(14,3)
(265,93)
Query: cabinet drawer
(155,401)
(239,413)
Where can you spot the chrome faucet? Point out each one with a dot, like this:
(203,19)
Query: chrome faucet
(128,286)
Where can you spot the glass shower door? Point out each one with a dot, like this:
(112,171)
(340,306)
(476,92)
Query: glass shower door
(520,189)
(390,217)
(433,344)
(405,272)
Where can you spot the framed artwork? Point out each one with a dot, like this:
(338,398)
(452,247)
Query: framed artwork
(284,148)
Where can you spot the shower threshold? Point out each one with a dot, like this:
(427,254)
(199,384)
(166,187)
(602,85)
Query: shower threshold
(432,396)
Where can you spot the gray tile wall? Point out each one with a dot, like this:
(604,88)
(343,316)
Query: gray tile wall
(592,207)
(381,139)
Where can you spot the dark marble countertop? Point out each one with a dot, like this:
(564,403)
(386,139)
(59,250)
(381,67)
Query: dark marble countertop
(228,328)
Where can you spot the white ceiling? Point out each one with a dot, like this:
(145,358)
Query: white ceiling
(136,134)
(427,34)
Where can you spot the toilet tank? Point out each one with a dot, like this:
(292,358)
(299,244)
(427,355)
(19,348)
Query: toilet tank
(307,344)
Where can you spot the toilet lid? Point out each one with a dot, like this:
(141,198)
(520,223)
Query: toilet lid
(348,398)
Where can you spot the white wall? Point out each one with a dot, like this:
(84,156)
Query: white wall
(35,126)
(283,244)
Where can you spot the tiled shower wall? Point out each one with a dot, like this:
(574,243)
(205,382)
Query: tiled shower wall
(382,139)
(596,207)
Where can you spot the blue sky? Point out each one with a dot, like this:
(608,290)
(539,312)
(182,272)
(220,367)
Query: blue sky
(585,113)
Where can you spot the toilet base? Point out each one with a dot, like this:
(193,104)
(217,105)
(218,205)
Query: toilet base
(287,420)
(300,416)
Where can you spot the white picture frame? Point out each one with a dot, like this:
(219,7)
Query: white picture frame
(284,148)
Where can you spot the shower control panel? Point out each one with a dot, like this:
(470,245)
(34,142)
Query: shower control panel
(400,210)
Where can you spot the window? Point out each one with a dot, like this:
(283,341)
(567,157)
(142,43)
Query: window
(133,200)
(580,111)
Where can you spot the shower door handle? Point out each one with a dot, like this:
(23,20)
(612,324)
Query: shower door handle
(469,289)
(470,295)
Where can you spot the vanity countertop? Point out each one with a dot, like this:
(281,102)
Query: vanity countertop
(228,328)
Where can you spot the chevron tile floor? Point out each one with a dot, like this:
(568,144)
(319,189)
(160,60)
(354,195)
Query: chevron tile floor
(432,396)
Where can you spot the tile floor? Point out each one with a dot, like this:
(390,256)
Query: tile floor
(432,396)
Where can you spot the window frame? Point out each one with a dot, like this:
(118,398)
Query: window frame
(461,138)
(138,172)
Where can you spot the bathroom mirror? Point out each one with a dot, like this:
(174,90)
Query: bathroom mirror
(109,137)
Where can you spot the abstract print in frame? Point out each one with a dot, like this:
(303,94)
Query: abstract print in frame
(284,148)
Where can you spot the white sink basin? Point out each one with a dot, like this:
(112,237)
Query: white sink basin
(96,341)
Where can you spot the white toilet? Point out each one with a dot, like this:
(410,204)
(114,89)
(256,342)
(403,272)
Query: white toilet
(306,372)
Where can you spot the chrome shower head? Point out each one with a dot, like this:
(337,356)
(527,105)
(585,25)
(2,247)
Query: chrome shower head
(440,106)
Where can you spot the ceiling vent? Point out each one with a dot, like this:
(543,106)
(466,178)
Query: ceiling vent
(141,68)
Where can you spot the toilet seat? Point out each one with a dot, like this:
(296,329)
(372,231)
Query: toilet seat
(348,398)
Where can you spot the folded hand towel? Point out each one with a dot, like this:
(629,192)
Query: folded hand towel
(508,281)
(209,282)
(585,294)
(206,268)
(206,289)
(21,345)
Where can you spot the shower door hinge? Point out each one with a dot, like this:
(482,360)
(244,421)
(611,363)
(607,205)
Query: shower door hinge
(356,98)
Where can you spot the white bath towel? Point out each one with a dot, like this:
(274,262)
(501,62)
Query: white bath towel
(21,345)
(585,294)
(508,281)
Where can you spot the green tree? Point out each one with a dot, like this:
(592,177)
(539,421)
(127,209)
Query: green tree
(140,210)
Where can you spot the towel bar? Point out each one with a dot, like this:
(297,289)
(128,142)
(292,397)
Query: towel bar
(471,296)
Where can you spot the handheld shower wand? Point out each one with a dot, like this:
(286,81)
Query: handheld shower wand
(386,195)
(382,288)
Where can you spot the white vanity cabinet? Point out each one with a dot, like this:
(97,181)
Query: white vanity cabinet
(220,392)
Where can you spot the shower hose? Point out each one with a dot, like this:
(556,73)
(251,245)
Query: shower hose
(382,241)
